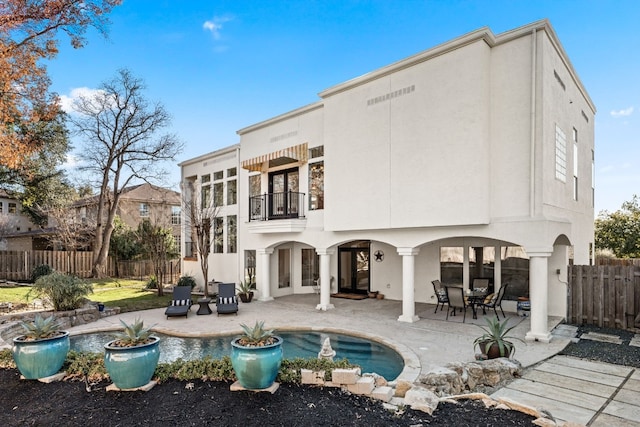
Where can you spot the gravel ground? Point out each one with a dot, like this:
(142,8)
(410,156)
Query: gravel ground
(619,354)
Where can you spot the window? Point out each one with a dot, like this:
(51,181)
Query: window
(218,195)
(1,205)
(206,178)
(254,185)
(310,267)
(175,215)
(206,196)
(231,172)
(83,215)
(316,152)
(218,242)
(316,186)
(575,164)
(232,198)
(176,240)
(250,266)
(284,268)
(218,175)
(561,155)
(12,208)
(232,234)
(144,210)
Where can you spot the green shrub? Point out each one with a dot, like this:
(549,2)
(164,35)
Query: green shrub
(152,283)
(65,292)
(187,281)
(85,365)
(39,271)
(6,359)
(290,369)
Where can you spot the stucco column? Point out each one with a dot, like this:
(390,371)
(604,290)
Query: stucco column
(538,294)
(325,279)
(408,284)
(264,285)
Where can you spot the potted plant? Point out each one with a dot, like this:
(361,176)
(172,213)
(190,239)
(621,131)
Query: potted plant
(245,291)
(42,349)
(495,342)
(131,358)
(256,356)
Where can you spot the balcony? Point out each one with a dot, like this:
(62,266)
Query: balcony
(277,212)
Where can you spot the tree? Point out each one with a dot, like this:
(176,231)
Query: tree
(124,243)
(158,244)
(200,214)
(620,231)
(28,30)
(123,145)
(38,181)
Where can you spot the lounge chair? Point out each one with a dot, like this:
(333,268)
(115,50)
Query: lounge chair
(441,294)
(495,301)
(227,301)
(180,302)
(456,299)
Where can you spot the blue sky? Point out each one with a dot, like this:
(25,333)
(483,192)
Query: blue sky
(219,66)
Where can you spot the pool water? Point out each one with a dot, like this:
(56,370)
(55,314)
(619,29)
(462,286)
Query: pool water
(371,356)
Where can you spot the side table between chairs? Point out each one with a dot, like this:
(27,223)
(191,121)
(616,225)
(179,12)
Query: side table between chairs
(204,306)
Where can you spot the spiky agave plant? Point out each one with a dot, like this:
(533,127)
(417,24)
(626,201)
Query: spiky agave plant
(40,328)
(256,336)
(133,334)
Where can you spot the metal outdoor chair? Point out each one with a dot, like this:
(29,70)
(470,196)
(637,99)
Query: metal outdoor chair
(496,301)
(227,301)
(440,293)
(456,299)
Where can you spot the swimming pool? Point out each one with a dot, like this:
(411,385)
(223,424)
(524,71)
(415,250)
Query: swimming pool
(371,356)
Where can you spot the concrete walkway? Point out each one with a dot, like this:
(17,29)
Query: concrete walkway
(551,383)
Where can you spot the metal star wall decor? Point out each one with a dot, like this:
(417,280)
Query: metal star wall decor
(379,255)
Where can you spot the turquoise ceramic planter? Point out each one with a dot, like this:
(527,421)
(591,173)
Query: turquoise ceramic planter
(42,358)
(256,367)
(131,367)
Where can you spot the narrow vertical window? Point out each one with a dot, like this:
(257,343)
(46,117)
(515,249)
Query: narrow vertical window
(316,186)
(205,197)
(144,210)
(218,194)
(561,155)
(232,192)
(310,267)
(232,234)
(218,235)
(175,215)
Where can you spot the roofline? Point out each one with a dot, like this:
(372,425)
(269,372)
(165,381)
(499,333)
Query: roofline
(201,157)
(281,117)
(485,34)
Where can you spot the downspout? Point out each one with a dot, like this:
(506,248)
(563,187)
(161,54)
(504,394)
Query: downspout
(532,142)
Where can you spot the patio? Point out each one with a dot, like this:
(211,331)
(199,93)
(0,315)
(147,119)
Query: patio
(429,343)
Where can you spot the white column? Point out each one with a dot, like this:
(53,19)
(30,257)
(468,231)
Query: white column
(538,294)
(497,268)
(325,279)
(408,284)
(264,285)
(465,265)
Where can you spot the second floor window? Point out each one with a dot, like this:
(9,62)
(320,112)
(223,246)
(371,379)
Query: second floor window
(205,197)
(254,185)
(12,208)
(144,210)
(316,186)
(232,198)
(175,215)
(218,195)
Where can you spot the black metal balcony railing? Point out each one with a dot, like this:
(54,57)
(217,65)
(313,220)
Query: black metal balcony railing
(270,206)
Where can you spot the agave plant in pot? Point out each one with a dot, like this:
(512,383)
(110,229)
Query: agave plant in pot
(245,291)
(131,358)
(494,342)
(41,351)
(256,356)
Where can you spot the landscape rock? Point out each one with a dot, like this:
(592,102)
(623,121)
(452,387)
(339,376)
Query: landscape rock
(421,399)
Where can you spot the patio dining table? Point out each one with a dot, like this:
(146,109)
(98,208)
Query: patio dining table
(475,297)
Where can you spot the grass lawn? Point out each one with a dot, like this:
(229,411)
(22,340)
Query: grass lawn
(129,295)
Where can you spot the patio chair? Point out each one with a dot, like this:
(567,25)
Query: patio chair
(227,301)
(495,301)
(180,303)
(440,293)
(480,283)
(456,299)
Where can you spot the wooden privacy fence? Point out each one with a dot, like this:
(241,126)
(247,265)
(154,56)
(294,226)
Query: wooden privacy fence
(18,265)
(604,295)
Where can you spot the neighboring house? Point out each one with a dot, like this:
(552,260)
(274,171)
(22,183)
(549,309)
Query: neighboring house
(473,159)
(16,228)
(159,205)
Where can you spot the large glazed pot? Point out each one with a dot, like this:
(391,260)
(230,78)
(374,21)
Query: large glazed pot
(131,367)
(40,358)
(256,367)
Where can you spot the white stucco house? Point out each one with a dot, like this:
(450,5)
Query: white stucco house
(472,159)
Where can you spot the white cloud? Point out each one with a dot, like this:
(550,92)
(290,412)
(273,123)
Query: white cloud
(215,25)
(622,113)
(66,101)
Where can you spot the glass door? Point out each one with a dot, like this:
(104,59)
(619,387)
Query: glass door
(353,267)
(283,194)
